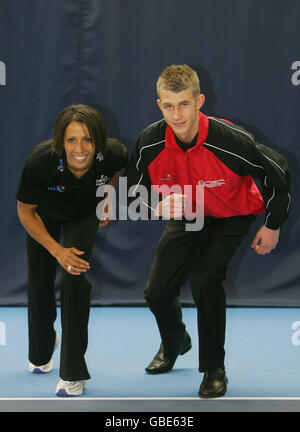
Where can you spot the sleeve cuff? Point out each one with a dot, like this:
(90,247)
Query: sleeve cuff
(272,226)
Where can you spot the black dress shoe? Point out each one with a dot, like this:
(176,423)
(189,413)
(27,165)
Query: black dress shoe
(161,363)
(214,383)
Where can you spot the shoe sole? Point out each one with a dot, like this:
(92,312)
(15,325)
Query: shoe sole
(169,368)
(63,393)
(214,395)
(39,371)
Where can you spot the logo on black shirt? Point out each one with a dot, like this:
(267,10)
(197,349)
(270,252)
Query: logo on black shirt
(102,180)
(58,188)
(60,165)
(99,156)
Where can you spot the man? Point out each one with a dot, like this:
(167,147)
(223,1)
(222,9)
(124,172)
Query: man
(57,193)
(214,156)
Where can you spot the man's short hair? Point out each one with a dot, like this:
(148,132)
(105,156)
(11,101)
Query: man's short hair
(83,114)
(177,78)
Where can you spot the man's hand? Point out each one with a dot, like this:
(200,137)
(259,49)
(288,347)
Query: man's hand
(107,212)
(104,218)
(69,260)
(171,207)
(265,240)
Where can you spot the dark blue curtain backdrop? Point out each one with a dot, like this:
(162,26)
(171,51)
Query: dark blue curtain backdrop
(109,53)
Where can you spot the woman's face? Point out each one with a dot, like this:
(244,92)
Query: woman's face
(79,148)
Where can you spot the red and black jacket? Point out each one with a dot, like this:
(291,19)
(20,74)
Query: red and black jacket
(224,162)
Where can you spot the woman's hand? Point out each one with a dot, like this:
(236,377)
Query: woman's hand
(69,259)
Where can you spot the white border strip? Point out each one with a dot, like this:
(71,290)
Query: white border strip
(63,399)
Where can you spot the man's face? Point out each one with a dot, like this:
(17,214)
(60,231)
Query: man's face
(79,148)
(180,111)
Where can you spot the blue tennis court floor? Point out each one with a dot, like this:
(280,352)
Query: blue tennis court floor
(262,362)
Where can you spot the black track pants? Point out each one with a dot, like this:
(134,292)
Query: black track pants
(203,256)
(74,297)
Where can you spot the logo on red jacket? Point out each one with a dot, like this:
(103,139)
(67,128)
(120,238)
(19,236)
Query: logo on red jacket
(168,177)
(211,183)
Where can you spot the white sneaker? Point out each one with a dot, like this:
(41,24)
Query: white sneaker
(46,367)
(70,388)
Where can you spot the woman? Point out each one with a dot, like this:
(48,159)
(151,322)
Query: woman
(57,195)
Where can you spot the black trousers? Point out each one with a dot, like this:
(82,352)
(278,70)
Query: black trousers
(203,256)
(74,297)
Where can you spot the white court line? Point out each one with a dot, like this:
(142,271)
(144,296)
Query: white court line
(149,398)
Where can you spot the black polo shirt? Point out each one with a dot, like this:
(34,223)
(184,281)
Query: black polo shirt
(47,181)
